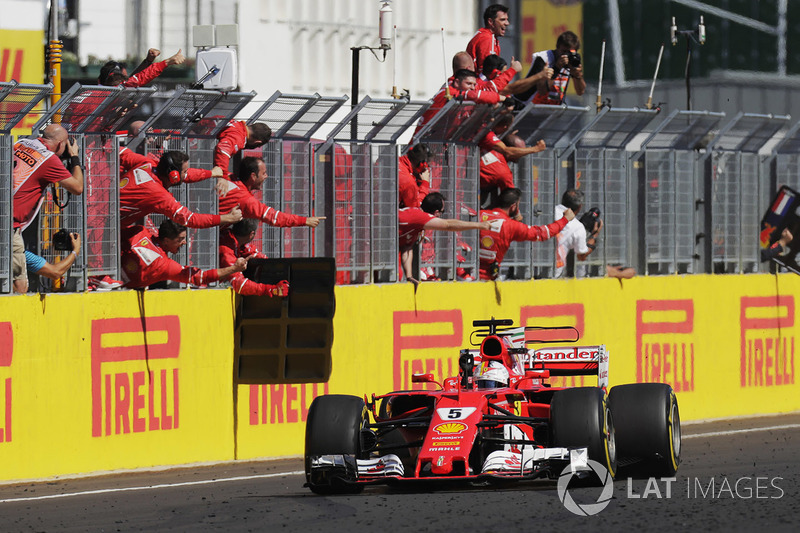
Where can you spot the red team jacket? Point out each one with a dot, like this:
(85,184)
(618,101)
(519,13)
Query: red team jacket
(481,96)
(142,193)
(495,171)
(482,44)
(229,251)
(411,222)
(230,141)
(411,192)
(235,193)
(495,241)
(145,263)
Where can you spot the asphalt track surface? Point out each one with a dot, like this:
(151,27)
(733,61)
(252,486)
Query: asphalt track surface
(736,475)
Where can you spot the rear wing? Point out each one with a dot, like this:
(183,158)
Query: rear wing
(570,361)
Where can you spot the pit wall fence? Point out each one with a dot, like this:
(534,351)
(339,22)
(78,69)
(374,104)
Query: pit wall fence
(125,380)
(680,192)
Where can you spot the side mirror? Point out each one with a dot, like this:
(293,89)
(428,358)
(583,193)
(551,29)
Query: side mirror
(422,378)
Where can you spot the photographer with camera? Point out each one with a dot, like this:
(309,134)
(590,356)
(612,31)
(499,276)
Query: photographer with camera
(579,235)
(566,63)
(37,165)
(62,241)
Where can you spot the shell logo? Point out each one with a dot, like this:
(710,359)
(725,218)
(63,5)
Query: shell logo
(123,182)
(450,428)
(487,242)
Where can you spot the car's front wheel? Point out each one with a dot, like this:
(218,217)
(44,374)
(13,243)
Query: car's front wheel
(333,428)
(648,426)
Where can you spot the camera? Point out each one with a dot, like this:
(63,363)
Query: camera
(574,58)
(62,240)
(590,218)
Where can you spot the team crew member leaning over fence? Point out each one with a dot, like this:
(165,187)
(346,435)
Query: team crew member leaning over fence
(495,153)
(484,42)
(143,190)
(145,260)
(414,176)
(462,87)
(239,194)
(37,165)
(236,242)
(505,228)
(413,220)
(113,73)
(234,138)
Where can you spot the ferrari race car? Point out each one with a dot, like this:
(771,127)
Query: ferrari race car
(499,419)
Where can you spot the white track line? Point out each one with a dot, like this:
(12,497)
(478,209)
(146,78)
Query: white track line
(299,472)
(150,487)
(737,431)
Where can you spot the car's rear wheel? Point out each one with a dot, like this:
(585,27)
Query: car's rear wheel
(580,417)
(648,426)
(333,428)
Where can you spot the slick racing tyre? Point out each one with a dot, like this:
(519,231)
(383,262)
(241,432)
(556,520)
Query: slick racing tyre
(580,417)
(334,427)
(648,426)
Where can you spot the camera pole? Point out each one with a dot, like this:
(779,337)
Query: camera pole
(689,34)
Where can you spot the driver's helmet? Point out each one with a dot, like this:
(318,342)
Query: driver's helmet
(493,375)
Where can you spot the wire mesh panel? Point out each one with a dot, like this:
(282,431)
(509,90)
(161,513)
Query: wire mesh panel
(197,113)
(556,125)
(96,108)
(541,199)
(101,192)
(294,116)
(296,198)
(202,244)
(669,212)
(457,121)
(602,175)
(17,100)
(748,132)
(454,172)
(6,217)
(379,120)
(269,237)
(684,130)
(384,239)
(358,193)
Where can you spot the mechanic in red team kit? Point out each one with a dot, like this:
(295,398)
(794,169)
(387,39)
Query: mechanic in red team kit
(413,220)
(113,73)
(234,138)
(251,176)
(504,229)
(484,42)
(236,242)
(143,190)
(414,176)
(145,260)
(462,86)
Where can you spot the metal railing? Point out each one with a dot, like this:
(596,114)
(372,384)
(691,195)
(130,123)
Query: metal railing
(682,193)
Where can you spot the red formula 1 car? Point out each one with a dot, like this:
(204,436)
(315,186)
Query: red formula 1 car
(499,419)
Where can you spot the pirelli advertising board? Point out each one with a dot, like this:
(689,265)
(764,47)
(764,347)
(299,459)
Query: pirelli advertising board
(123,380)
